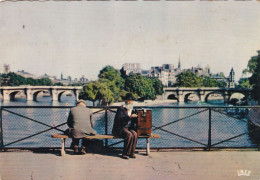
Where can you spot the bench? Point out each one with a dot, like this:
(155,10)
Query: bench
(63,137)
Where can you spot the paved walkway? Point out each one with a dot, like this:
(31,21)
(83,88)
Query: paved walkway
(186,165)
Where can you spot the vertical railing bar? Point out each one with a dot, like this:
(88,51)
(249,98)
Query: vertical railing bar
(1,131)
(209,133)
(106,127)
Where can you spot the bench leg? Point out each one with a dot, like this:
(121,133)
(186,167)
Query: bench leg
(147,146)
(62,151)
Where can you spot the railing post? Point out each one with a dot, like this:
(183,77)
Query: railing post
(209,133)
(1,131)
(106,127)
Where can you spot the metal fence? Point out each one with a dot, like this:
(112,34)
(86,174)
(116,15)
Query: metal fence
(179,127)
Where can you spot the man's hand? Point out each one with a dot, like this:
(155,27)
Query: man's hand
(133,116)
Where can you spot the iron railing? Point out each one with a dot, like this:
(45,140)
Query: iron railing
(179,127)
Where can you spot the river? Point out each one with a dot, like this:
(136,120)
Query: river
(191,127)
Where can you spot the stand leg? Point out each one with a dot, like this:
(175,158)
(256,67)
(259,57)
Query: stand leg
(147,146)
(62,151)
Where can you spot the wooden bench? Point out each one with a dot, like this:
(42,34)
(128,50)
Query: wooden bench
(63,137)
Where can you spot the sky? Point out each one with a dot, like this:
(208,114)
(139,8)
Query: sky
(80,38)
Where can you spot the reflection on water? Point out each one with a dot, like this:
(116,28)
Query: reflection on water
(190,123)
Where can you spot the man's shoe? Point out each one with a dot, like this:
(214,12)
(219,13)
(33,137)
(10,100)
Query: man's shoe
(124,156)
(132,156)
(83,150)
(76,150)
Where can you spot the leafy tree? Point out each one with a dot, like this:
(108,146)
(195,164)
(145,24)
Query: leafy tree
(12,79)
(188,79)
(141,86)
(112,74)
(210,82)
(221,74)
(112,78)
(90,92)
(112,87)
(105,95)
(58,84)
(254,68)
(157,85)
(244,83)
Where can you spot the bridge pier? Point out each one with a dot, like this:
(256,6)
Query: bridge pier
(202,96)
(180,96)
(54,95)
(29,95)
(6,96)
(76,93)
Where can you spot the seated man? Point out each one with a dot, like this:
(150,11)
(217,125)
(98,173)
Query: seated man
(80,124)
(121,127)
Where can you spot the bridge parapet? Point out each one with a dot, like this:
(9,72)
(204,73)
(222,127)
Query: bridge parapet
(31,92)
(203,92)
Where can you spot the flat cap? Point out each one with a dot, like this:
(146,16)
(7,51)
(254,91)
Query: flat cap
(81,101)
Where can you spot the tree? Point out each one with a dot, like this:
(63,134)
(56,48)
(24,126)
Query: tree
(12,79)
(89,92)
(157,85)
(105,95)
(188,79)
(221,74)
(210,82)
(254,68)
(112,78)
(143,87)
(244,83)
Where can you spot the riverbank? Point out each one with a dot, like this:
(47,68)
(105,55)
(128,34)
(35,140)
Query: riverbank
(174,164)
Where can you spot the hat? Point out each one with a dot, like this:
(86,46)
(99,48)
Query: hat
(129,96)
(81,101)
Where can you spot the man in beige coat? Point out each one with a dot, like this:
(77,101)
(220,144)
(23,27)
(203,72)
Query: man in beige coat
(80,124)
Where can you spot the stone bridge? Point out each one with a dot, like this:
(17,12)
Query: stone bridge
(182,94)
(31,92)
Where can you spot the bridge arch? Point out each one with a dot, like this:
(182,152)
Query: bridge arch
(65,92)
(12,94)
(36,93)
(217,93)
(172,96)
(239,97)
(191,95)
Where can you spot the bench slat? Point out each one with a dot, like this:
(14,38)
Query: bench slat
(101,136)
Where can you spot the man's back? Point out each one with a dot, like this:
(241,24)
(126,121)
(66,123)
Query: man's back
(80,122)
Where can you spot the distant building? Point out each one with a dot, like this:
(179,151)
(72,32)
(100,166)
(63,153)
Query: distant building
(220,78)
(201,71)
(129,68)
(166,73)
(231,79)
(83,79)
(52,78)
(26,74)
(6,68)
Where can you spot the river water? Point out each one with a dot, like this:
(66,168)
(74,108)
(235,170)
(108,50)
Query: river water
(179,127)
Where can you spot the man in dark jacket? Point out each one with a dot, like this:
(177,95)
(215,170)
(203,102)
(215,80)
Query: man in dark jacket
(80,124)
(123,118)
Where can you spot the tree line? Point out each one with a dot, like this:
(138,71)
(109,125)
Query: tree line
(112,85)
(12,79)
(190,79)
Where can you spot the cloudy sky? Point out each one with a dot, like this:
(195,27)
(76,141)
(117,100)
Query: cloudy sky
(79,38)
